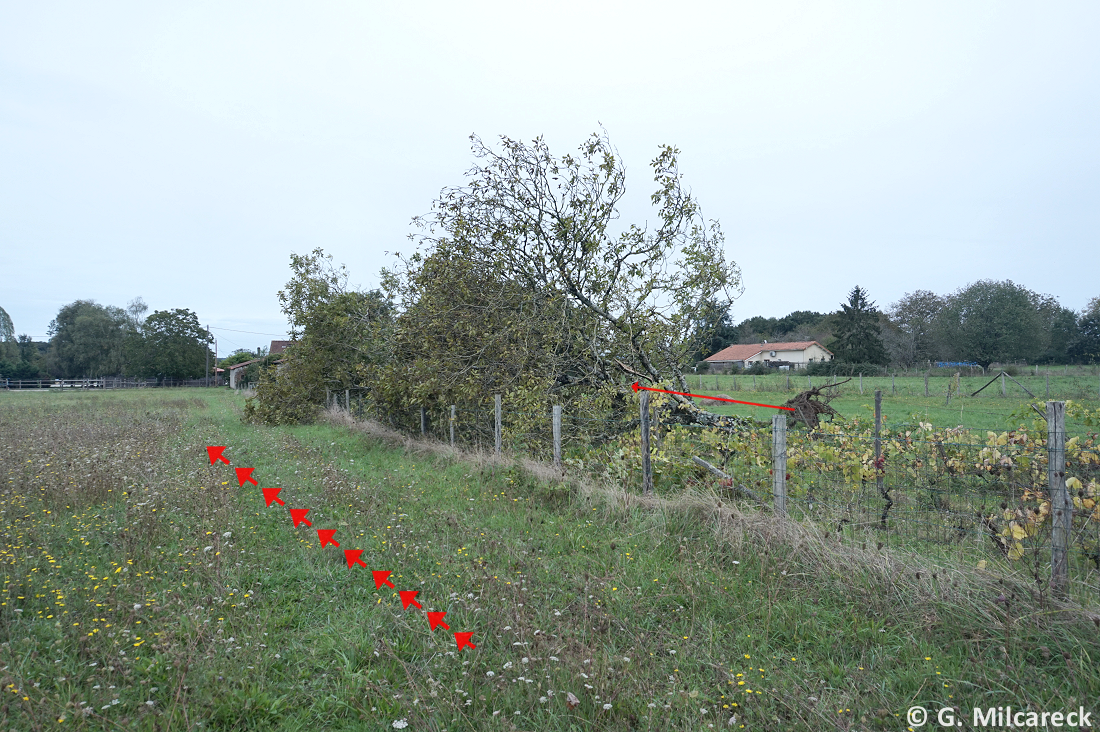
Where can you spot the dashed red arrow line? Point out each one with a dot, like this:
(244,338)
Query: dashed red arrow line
(353,556)
(272,494)
(215,453)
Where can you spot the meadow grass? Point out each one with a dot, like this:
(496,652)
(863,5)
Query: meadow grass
(903,400)
(143,589)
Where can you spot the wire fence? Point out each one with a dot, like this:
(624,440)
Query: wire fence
(107,382)
(992,493)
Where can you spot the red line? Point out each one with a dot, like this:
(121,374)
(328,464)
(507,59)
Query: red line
(718,399)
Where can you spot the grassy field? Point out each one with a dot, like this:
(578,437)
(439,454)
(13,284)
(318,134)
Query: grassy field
(143,589)
(903,397)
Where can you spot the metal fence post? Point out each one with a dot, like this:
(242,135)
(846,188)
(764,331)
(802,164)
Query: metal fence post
(452,425)
(423,421)
(647,466)
(557,435)
(497,431)
(861,383)
(347,400)
(779,463)
(1061,508)
(1003,392)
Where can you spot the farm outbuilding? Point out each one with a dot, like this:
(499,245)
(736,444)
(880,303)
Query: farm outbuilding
(237,371)
(796,355)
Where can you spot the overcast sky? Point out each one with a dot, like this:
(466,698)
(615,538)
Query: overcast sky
(180,152)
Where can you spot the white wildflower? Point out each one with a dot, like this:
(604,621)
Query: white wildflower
(606,707)
(208,549)
(508,665)
(542,700)
(400,724)
(490,674)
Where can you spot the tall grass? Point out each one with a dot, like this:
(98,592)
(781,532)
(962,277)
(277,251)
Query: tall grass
(179,601)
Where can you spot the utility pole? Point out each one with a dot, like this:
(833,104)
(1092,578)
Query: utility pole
(206,347)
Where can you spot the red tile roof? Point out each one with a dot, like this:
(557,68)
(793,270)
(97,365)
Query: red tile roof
(743,351)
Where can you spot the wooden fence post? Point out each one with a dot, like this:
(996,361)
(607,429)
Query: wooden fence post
(423,421)
(880,467)
(498,434)
(452,425)
(1061,508)
(347,400)
(809,382)
(328,397)
(647,466)
(926,383)
(893,384)
(754,382)
(788,381)
(779,463)
(557,436)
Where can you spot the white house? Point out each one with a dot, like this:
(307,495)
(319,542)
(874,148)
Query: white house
(795,355)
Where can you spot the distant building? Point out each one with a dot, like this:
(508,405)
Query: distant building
(795,355)
(278,347)
(236,373)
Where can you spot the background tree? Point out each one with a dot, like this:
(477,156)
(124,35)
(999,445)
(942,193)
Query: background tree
(913,337)
(857,337)
(714,331)
(801,325)
(990,321)
(1058,330)
(624,305)
(1086,343)
(176,345)
(336,333)
(87,340)
(134,352)
(7,328)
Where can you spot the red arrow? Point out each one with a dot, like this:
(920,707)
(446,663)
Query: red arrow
(636,387)
(245,474)
(326,537)
(216,454)
(298,515)
(408,597)
(381,578)
(272,494)
(352,556)
(435,620)
(463,639)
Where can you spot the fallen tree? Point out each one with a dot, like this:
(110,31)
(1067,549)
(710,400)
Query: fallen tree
(810,405)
